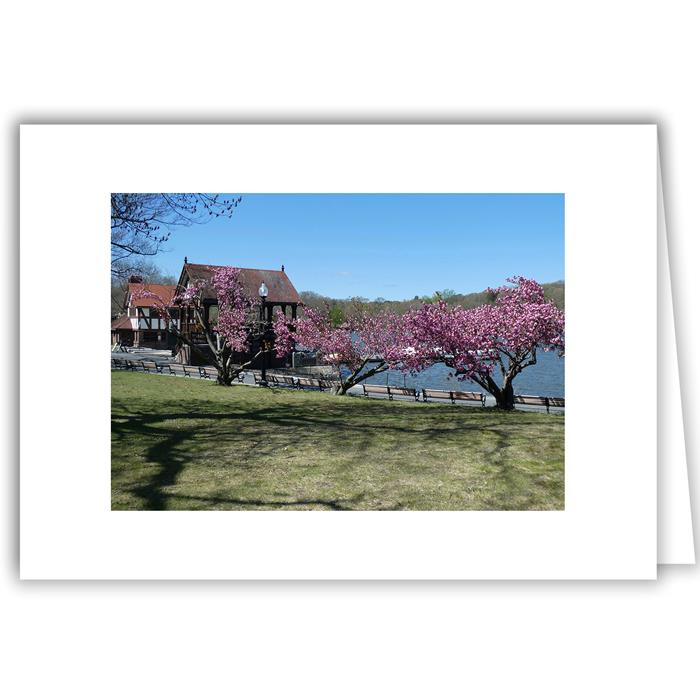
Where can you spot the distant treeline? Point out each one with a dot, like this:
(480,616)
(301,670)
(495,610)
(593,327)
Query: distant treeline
(341,308)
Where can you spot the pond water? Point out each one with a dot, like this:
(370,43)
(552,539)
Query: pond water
(546,378)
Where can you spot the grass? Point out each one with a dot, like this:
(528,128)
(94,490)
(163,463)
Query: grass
(186,444)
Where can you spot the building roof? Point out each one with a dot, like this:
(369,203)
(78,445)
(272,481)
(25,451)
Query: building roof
(280,288)
(165,291)
(122,323)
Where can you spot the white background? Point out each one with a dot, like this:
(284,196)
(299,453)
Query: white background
(608,529)
(439,61)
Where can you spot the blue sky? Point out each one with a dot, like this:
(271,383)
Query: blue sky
(394,246)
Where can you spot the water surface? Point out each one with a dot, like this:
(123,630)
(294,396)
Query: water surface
(546,378)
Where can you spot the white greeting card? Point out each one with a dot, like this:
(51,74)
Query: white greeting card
(73,525)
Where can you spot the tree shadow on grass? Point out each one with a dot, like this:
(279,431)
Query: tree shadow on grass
(171,463)
(344,504)
(173,436)
(170,449)
(171,459)
(513,489)
(364,419)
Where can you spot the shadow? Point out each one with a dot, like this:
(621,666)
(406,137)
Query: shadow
(269,504)
(374,417)
(170,450)
(509,480)
(266,433)
(171,464)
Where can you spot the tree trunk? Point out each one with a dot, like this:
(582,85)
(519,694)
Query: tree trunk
(359,376)
(224,376)
(227,371)
(505,396)
(223,369)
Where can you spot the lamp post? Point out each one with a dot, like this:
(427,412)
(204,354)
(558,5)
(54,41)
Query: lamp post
(263,327)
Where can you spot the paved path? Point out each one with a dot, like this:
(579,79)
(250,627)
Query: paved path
(165,357)
(160,356)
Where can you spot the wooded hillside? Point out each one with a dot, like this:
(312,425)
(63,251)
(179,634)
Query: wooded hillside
(339,308)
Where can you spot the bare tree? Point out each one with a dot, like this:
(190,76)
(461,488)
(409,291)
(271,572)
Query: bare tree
(143,222)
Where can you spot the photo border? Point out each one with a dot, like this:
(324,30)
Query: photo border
(608,176)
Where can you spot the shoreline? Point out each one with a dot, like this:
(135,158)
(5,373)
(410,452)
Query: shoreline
(356,391)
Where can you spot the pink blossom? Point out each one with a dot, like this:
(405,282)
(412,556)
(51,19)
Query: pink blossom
(365,345)
(505,336)
(233,331)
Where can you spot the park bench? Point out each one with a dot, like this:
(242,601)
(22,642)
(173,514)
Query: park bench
(309,383)
(149,366)
(403,391)
(390,391)
(282,380)
(469,396)
(454,396)
(132,365)
(329,384)
(253,373)
(118,364)
(184,370)
(531,400)
(207,372)
(376,390)
(546,401)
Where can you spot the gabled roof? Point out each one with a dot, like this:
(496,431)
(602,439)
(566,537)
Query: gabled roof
(165,291)
(121,323)
(280,288)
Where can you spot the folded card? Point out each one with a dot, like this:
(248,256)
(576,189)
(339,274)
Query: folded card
(289,397)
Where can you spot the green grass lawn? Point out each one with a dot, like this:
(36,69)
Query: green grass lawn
(186,444)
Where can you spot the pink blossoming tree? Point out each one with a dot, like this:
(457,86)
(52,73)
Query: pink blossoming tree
(480,343)
(235,330)
(364,345)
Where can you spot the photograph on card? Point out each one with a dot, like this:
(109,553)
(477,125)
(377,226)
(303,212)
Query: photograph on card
(349,351)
